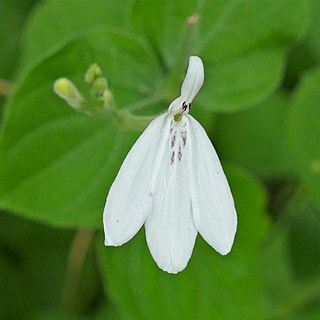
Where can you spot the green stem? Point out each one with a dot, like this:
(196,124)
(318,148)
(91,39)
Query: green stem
(129,121)
(142,103)
(137,123)
(182,56)
(5,87)
(78,251)
(302,296)
(124,117)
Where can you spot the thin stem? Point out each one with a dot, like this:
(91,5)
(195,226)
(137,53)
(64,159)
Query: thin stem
(137,123)
(128,120)
(302,296)
(78,251)
(5,87)
(182,56)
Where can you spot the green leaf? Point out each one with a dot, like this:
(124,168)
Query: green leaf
(12,19)
(313,37)
(209,285)
(107,312)
(32,260)
(300,59)
(57,165)
(304,132)
(304,241)
(278,276)
(54,315)
(291,262)
(43,36)
(243,63)
(305,55)
(37,271)
(255,138)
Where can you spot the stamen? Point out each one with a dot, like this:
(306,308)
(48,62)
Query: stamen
(184,106)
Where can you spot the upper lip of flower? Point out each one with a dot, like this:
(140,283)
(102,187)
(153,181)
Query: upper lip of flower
(190,87)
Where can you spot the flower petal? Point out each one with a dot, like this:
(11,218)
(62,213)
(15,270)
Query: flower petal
(212,201)
(170,228)
(193,80)
(129,201)
(190,86)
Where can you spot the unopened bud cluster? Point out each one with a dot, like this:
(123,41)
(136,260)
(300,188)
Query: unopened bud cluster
(100,99)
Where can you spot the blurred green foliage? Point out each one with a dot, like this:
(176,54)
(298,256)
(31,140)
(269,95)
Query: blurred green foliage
(304,132)
(259,105)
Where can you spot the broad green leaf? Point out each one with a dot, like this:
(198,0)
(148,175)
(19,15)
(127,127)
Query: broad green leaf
(289,298)
(300,60)
(304,132)
(12,19)
(42,35)
(313,36)
(56,164)
(55,315)
(33,271)
(291,262)
(14,293)
(35,258)
(107,312)
(255,138)
(211,287)
(306,53)
(244,63)
(304,240)
(278,276)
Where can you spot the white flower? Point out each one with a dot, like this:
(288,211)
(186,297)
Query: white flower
(172,181)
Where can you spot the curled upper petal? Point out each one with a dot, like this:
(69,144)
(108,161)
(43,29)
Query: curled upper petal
(191,85)
(193,80)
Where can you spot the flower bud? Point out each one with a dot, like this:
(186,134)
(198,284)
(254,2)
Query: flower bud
(66,90)
(107,98)
(94,72)
(99,86)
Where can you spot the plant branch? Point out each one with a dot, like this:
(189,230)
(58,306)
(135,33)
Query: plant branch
(5,87)
(78,251)
(302,296)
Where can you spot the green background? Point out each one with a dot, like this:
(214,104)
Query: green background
(260,107)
